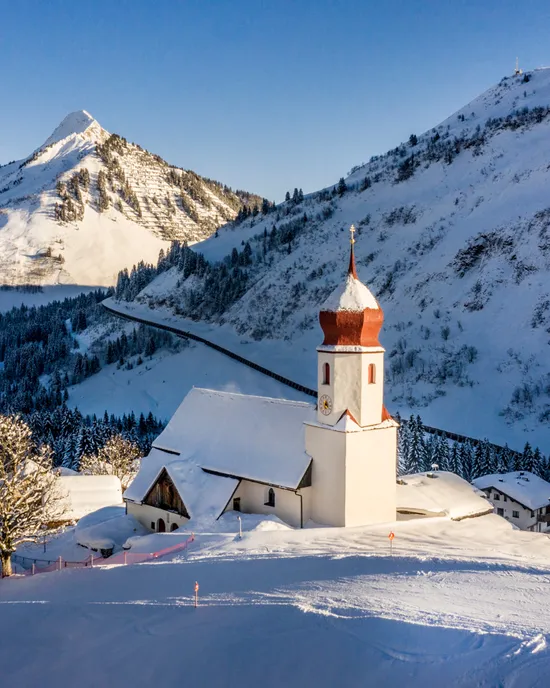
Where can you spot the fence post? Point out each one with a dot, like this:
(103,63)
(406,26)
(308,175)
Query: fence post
(125,562)
(92,560)
(33,565)
(59,563)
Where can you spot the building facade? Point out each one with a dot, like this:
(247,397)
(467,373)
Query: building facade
(520,497)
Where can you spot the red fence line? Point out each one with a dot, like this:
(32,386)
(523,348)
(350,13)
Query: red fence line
(123,558)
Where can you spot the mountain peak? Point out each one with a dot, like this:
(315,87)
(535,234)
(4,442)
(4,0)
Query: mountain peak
(79,122)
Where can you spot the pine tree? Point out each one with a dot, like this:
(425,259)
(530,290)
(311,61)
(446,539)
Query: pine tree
(538,463)
(466,460)
(442,453)
(528,459)
(416,452)
(454,460)
(429,453)
(403,447)
(341,187)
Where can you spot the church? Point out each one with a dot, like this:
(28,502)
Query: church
(333,463)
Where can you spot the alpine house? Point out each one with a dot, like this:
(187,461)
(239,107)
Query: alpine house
(334,463)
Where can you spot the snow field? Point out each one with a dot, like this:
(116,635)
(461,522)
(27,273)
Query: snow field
(458,604)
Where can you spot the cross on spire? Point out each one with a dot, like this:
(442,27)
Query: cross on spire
(351,270)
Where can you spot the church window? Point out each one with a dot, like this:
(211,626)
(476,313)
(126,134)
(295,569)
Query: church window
(270,497)
(326,374)
(372,373)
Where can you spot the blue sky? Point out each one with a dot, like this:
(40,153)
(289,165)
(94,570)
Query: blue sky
(263,95)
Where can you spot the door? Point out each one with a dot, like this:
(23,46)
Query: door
(237,504)
(161,526)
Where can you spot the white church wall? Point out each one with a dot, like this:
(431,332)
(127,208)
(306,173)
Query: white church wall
(327,447)
(254,497)
(370,476)
(147,515)
(349,386)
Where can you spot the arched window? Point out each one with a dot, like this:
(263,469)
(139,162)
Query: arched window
(161,526)
(326,374)
(270,497)
(173,527)
(372,373)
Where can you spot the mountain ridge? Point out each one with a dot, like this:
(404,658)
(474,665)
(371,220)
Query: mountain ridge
(87,203)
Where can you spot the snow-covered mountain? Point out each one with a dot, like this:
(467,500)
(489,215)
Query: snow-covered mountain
(87,203)
(453,238)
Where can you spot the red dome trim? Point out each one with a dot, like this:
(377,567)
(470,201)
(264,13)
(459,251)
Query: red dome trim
(349,328)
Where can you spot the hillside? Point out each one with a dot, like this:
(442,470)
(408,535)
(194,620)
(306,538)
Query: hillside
(88,203)
(453,240)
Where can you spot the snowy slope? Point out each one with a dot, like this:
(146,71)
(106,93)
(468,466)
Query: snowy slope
(452,240)
(458,604)
(55,230)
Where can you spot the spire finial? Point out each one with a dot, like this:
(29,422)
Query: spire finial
(351,270)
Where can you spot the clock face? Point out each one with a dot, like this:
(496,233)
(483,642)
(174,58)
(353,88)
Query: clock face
(325,404)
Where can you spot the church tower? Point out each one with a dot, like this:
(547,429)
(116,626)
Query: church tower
(354,441)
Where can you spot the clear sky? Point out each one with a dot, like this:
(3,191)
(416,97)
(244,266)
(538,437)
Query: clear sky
(263,95)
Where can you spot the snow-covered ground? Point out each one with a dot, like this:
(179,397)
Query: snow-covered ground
(161,383)
(13,298)
(458,603)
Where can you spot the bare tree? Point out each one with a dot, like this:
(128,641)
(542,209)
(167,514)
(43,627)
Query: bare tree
(27,500)
(119,456)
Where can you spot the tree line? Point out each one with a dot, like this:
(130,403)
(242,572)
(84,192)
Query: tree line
(419,452)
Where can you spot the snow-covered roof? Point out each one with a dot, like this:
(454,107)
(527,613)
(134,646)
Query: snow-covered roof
(258,438)
(205,495)
(83,494)
(521,486)
(352,295)
(446,494)
(235,435)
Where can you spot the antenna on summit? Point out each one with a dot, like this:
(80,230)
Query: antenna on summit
(517,70)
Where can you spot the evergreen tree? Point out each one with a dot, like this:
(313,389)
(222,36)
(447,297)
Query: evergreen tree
(416,453)
(454,460)
(528,462)
(403,447)
(466,461)
(442,453)
(429,453)
(538,463)
(341,187)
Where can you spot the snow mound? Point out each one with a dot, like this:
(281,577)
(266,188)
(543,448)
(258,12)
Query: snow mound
(443,494)
(110,534)
(228,522)
(352,295)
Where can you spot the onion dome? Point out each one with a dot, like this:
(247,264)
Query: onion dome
(351,316)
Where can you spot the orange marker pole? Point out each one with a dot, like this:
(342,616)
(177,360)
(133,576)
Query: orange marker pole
(196,594)
(391,536)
